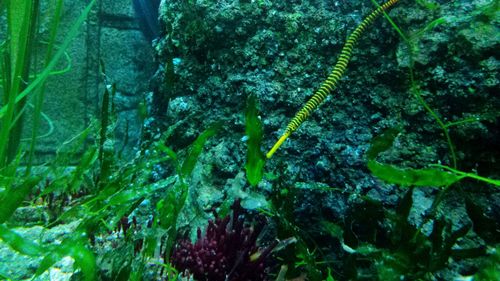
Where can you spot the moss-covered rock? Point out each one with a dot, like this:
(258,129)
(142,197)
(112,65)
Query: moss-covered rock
(282,51)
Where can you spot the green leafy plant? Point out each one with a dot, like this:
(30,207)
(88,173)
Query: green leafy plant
(431,5)
(107,203)
(74,245)
(405,250)
(254,132)
(411,43)
(16,62)
(107,193)
(171,205)
(294,250)
(491,268)
(17,86)
(436,176)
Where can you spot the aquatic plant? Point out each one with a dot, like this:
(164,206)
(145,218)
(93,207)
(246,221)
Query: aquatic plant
(16,63)
(15,66)
(435,176)
(381,244)
(227,251)
(169,207)
(297,252)
(490,269)
(254,132)
(107,193)
(18,84)
(331,82)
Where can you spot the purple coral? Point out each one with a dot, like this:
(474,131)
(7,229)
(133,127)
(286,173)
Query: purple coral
(228,251)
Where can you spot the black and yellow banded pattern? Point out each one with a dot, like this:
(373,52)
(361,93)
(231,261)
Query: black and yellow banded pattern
(331,82)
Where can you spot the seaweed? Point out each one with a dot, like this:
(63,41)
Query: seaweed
(403,176)
(255,157)
(294,249)
(170,206)
(444,177)
(404,250)
(11,110)
(490,269)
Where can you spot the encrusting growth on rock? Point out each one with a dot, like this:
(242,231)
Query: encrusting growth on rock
(331,82)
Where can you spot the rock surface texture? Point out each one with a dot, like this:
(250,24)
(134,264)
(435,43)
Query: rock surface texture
(223,51)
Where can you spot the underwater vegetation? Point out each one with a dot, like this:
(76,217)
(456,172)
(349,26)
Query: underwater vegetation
(380,182)
(393,84)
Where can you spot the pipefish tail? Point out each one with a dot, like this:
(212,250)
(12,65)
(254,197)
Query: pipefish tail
(332,80)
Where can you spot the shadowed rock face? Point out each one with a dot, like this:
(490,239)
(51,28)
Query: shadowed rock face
(147,14)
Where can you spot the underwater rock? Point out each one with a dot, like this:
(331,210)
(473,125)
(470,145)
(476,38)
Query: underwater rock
(31,215)
(21,267)
(281,51)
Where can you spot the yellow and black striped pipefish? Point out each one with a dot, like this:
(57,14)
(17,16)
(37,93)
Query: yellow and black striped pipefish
(331,82)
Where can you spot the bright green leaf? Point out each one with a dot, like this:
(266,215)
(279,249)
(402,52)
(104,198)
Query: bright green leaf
(412,177)
(20,244)
(255,158)
(13,197)
(196,148)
